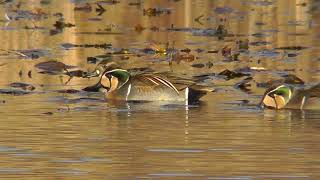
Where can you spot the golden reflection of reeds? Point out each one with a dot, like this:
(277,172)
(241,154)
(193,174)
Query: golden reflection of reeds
(277,16)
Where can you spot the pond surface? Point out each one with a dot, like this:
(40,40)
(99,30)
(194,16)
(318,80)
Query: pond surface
(47,133)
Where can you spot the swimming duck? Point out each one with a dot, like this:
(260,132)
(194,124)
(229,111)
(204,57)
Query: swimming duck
(119,84)
(285,96)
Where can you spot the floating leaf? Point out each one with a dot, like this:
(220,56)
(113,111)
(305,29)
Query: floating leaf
(68,91)
(223,10)
(202,77)
(139,28)
(83,7)
(292,79)
(213,51)
(232,74)
(204,32)
(198,65)
(259,43)
(245,85)
(184,57)
(226,51)
(15,92)
(287,79)
(100,9)
(99,58)
(98,46)
(34,53)
(47,113)
(23,86)
(156,11)
(186,50)
(134,3)
(53,66)
(294,48)
(76,73)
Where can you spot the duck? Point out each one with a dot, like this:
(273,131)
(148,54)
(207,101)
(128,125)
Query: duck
(288,96)
(119,84)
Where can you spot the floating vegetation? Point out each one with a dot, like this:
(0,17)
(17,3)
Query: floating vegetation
(287,79)
(23,86)
(16,14)
(53,66)
(245,85)
(60,25)
(198,65)
(15,92)
(223,10)
(100,9)
(83,7)
(76,73)
(232,74)
(68,91)
(33,53)
(292,48)
(156,11)
(98,46)
(184,57)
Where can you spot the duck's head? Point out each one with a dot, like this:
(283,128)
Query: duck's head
(277,97)
(110,80)
(101,69)
(114,79)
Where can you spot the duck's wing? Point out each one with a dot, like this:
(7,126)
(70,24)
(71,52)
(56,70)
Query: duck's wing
(153,81)
(314,91)
(179,82)
(176,83)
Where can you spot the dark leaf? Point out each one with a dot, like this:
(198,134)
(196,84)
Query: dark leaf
(223,10)
(53,66)
(76,73)
(245,85)
(295,48)
(68,91)
(15,92)
(198,65)
(23,86)
(292,79)
(231,74)
(34,53)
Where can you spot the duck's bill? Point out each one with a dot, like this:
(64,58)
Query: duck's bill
(261,106)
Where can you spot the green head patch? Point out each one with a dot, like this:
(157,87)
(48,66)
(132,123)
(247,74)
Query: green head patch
(277,97)
(115,78)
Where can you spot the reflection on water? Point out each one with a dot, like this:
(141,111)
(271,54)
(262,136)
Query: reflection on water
(52,135)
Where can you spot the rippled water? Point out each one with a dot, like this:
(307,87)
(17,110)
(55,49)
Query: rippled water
(52,135)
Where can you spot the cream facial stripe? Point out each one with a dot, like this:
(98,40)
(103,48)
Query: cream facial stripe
(290,93)
(276,89)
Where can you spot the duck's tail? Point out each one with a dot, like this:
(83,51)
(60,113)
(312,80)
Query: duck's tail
(195,92)
(314,91)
